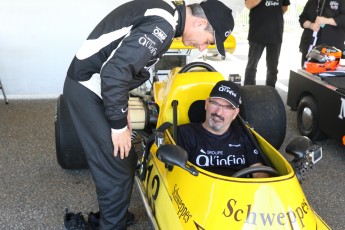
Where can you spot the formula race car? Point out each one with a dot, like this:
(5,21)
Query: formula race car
(180,195)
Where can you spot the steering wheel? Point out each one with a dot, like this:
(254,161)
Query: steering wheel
(255,169)
(191,65)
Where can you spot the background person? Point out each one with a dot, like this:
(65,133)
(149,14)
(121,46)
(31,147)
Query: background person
(219,145)
(266,26)
(115,59)
(330,25)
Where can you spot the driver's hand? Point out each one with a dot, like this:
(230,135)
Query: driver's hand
(122,143)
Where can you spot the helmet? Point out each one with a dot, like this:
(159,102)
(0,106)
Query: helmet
(323,58)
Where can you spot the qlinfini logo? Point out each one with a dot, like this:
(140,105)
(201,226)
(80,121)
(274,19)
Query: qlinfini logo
(227,89)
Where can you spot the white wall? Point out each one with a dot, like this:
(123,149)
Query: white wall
(38,39)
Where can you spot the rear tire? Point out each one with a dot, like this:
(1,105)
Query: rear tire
(69,152)
(264,110)
(308,119)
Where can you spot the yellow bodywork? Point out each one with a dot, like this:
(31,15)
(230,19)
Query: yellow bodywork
(209,201)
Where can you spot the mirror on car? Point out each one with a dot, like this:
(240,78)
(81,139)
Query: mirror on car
(174,155)
(298,147)
(305,154)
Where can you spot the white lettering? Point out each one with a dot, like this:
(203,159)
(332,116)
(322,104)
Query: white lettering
(211,160)
(272,3)
(148,43)
(227,89)
(158,33)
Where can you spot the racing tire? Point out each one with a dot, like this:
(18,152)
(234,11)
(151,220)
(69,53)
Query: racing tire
(308,119)
(263,109)
(69,152)
(192,65)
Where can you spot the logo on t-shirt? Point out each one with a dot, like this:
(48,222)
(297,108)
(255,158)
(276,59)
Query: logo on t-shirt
(334,5)
(236,146)
(214,158)
(272,3)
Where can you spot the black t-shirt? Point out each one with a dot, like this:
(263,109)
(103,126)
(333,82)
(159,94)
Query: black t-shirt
(266,22)
(329,35)
(222,154)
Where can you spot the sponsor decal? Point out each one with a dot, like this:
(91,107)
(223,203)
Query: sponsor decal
(243,213)
(183,212)
(272,3)
(152,187)
(342,109)
(148,43)
(158,33)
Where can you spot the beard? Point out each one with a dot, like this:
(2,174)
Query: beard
(216,122)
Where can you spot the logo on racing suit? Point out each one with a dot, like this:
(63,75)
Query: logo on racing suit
(342,109)
(148,43)
(158,33)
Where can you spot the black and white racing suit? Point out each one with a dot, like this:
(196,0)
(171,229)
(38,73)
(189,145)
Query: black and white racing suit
(113,60)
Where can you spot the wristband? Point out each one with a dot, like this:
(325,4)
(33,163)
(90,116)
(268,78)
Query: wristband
(119,130)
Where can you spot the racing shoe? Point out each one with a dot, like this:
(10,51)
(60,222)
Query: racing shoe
(74,221)
(93,219)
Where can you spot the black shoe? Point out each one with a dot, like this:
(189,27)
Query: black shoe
(74,221)
(93,219)
(130,218)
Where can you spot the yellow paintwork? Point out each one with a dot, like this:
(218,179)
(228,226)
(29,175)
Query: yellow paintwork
(209,201)
(229,44)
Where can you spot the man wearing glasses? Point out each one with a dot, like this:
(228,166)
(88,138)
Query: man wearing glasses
(219,145)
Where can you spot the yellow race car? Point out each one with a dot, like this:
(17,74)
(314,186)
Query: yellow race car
(180,195)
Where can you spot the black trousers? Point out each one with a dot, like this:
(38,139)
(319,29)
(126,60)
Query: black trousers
(113,177)
(272,59)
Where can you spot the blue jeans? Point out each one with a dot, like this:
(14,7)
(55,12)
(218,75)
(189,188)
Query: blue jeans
(272,58)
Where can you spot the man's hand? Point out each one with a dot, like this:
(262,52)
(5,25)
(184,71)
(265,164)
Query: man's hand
(122,143)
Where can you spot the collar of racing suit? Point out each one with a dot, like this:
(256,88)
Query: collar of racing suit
(181,11)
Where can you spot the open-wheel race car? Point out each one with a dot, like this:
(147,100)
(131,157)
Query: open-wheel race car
(180,195)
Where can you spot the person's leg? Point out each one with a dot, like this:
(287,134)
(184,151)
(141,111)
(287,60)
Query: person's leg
(303,58)
(254,55)
(113,177)
(272,60)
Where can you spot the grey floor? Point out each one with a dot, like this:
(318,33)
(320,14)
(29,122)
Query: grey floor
(34,190)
